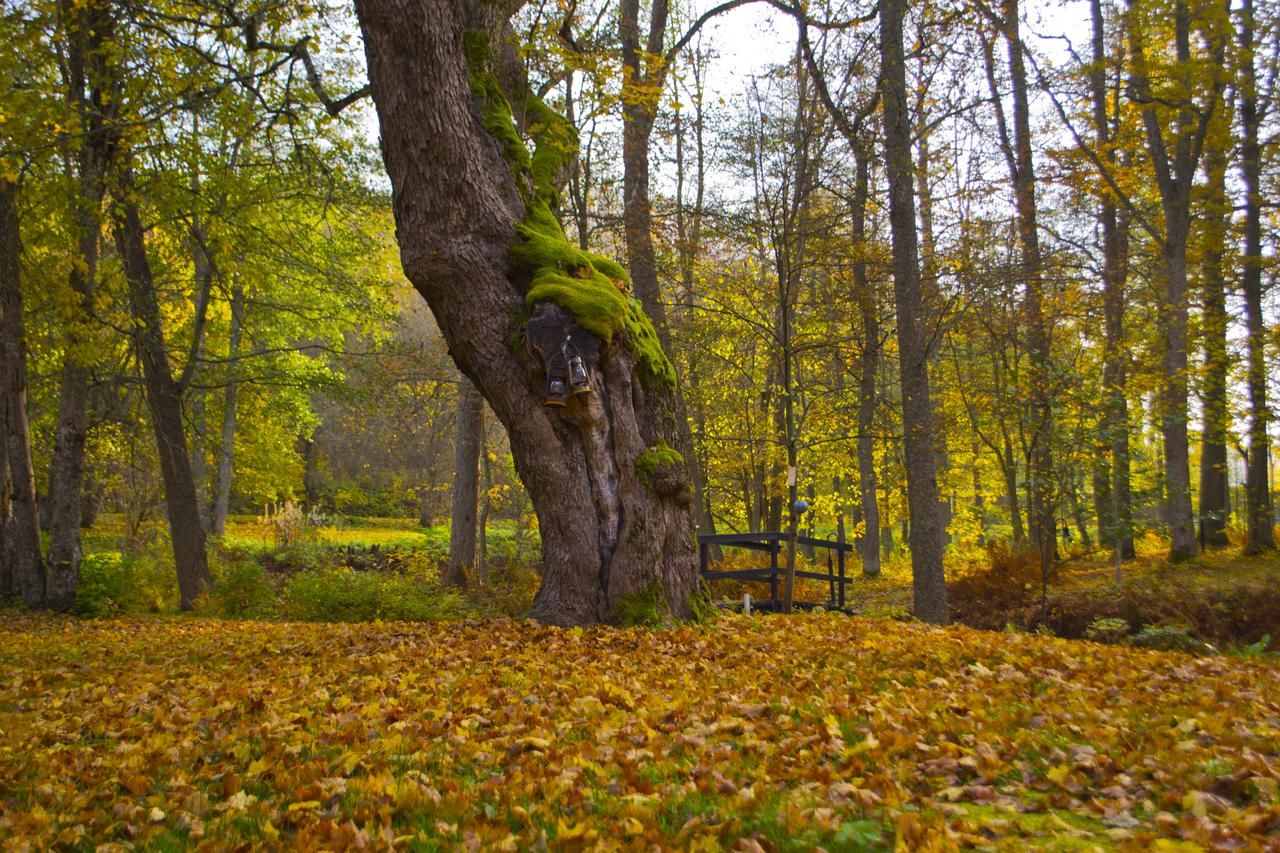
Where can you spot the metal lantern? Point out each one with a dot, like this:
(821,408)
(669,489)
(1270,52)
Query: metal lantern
(578,377)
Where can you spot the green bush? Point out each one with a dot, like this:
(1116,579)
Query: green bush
(341,595)
(112,584)
(241,590)
(1170,638)
(1107,629)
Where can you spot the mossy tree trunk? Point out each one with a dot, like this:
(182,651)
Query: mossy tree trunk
(610,536)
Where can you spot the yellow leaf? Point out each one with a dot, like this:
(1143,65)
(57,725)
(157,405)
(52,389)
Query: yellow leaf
(304,805)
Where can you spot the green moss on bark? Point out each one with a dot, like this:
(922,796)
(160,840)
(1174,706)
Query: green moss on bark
(591,287)
(659,454)
(701,607)
(645,608)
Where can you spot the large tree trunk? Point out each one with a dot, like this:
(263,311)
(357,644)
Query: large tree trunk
(25,569)
(929,584)
(466,457)
(610,535)
(230,401)
(165,403)
(1260,534)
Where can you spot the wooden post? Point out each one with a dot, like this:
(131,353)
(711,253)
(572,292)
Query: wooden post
(788,589)
(773,574)
(840,564)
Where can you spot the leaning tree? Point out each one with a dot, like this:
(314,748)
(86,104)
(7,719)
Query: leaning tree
(566,358)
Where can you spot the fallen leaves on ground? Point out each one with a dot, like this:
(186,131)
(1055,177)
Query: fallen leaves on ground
(749,733)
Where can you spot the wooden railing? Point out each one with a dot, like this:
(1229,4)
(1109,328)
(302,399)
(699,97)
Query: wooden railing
(773,574)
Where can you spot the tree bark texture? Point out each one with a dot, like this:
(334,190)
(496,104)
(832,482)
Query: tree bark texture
(466,458)
(25,569)
(164,401)
(1260,533)
(606,534)
(928,581)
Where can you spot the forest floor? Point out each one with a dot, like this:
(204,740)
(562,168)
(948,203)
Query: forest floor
(760,733)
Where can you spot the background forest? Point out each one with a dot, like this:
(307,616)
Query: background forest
(205,320)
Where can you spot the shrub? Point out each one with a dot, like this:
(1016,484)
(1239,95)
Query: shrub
(1170,638)
(112,584)
(985,597)
(341,595)
(1106,629)
(241,590)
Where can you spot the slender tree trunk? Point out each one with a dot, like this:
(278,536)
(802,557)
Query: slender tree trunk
(1214,499)
(466,477)
(26,572)
(931,305)
(609,535)
(1175,161)
(868,370)
(94,100)
(1115,251)
(979,499)
(230,401)
(929,584)
(639,110)
(689,246)
(1173,423)
(1016,146)
(486,507)
(204,273)
(165,403)
(1009,466)
(1260,534)
(8,548)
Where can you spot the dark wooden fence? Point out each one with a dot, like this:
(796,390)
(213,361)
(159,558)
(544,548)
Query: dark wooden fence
(773,574)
